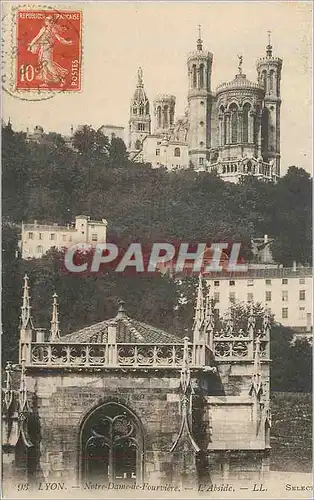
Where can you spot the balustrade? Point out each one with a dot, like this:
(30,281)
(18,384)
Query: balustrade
(234,346)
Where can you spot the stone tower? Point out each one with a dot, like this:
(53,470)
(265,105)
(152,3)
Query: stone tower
(199,104)
(269,75)
(164,110)
(140,121)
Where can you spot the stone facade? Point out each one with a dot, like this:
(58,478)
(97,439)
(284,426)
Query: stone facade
(124,403)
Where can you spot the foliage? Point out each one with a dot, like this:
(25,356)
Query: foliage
(53,182)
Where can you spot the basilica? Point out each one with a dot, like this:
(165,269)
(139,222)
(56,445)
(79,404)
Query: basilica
(234,130)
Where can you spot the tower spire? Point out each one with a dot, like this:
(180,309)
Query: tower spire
(269,48)
(54,330)
(26,319)
(199,310)
(199,41)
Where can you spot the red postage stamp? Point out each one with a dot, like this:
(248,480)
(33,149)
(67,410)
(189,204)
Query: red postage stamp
(49,54)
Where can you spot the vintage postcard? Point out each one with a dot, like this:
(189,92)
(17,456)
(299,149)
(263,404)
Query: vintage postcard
(157,317)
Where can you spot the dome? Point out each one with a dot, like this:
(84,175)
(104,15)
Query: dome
(240,82)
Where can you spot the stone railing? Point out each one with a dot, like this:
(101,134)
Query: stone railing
(43,354)
(239,346)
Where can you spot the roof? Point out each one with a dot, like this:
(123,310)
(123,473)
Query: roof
(239,82)
(129,330)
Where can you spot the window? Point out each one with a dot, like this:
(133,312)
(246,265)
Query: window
(216,283)
(201,144)
(94,237)
(194,77)
(284,295)
(52,236)
(301,312)
(234,123)
(267,296)
(159,117)
(64,237)
(177,152)
(201,73)
(30,236)
(284,281)
(201,161)
(39,249)
(284,313)
(140,126)
(40,236)
(250,282)
(157,152)
(232,297)
(250,297)
(268,282)
(245,120)
(216,296)
(202,124)
(302,281)
(111,445)
(231,283)
(301,294)
(138,144)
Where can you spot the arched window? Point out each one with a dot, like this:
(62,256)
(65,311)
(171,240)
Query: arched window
(201,75)
(138,144)
(141,109)
(165,116)
(264,78)
(225,130)
(246,110)
(111,446)
(159,117)
(194,76)
(234,123)
(147,108)
(264,132)
(134,111)
(177,152)
(271,80)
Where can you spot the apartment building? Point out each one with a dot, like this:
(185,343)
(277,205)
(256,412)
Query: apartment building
(38,238)
(287,292)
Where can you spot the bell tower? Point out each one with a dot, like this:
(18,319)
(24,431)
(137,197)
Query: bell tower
(140,120)
(199,104)
(269,76)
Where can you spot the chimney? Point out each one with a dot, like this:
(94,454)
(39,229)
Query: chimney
(294,266)
(35,223)
(265,238)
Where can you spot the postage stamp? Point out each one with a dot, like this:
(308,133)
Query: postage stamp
(48,54)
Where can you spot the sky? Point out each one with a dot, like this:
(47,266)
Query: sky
(118,37)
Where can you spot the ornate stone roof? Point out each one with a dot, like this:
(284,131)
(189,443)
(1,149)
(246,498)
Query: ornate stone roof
(239,82)
(128,330)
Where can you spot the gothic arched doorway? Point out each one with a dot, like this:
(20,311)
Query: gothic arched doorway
(111,445)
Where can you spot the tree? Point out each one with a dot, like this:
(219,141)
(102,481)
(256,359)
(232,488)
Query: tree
(88,141)
(292,224)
